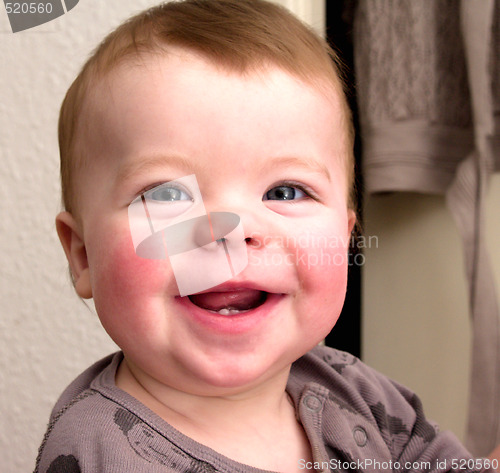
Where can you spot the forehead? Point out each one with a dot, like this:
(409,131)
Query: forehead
(166,100)
(187,72)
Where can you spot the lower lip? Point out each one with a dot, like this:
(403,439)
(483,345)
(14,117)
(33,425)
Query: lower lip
(231,324)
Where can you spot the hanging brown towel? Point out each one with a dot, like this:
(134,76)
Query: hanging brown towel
(428,85)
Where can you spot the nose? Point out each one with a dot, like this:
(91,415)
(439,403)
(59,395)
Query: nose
(201,232)
(227,240)
(256,224)
(206,251)
(258,230)
(223,226)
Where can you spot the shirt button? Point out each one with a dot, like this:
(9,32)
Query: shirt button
(312,403)
(360,436)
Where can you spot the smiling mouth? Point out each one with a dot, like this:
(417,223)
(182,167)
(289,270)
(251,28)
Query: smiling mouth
(230,302)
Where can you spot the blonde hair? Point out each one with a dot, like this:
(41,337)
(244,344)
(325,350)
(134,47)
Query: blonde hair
(240,35)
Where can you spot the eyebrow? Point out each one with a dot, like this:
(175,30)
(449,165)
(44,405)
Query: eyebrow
(179,162)
(306,163)
(151,163)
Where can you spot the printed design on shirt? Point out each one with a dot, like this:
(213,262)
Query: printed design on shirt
(153,447)
(396,433)
(64,464)
(339,362)
(395,426)
(387,423)
(392,428)
(422,428)
(342,404)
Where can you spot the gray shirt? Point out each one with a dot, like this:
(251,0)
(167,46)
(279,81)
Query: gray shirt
(355,419)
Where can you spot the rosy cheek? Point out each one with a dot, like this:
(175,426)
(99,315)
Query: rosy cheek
(322,267)
(125,280)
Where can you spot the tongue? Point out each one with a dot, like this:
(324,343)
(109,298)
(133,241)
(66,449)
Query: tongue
(240,300)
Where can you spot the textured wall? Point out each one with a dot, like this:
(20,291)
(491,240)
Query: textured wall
(47,335)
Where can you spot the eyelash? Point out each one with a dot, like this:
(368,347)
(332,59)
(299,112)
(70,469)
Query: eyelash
(302,187)
(152,186)
(297,185)
(157,184)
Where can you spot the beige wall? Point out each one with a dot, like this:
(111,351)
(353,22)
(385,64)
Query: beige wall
(47,335)
(415,308)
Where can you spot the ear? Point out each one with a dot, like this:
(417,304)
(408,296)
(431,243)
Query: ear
(71,237)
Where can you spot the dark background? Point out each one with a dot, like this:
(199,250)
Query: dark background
(346,335)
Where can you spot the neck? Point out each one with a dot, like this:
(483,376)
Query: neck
(240,425)
(267,400)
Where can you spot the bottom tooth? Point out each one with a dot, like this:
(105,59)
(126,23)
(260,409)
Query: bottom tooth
(228,311)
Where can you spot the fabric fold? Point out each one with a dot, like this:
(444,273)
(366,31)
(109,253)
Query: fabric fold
(429,103)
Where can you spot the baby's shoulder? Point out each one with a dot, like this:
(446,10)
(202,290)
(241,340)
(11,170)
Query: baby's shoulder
(366,415)
(82,421)
(82,383)
(327,365)
(353,386)
(97,427)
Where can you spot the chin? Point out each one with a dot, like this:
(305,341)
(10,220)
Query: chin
(232,374)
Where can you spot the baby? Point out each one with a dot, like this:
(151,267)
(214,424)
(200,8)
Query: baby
(207,174)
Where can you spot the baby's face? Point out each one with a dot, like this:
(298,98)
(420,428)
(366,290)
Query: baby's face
(265,147)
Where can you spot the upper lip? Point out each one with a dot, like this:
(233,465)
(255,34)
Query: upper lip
(234,286)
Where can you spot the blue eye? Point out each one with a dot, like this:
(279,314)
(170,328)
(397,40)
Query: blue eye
(284,193)
(167,193)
